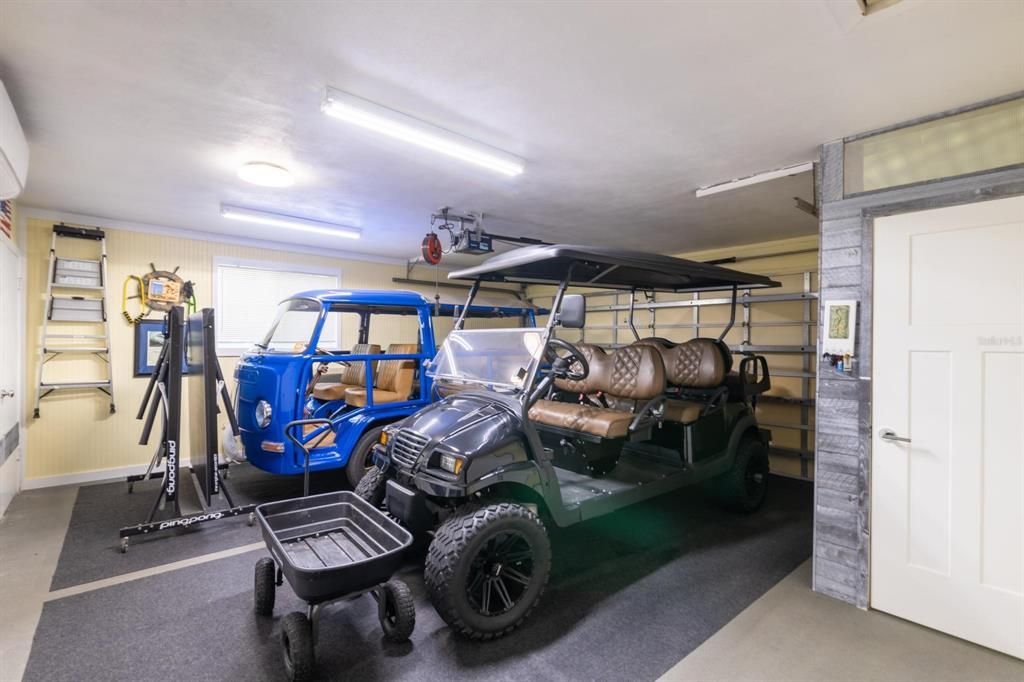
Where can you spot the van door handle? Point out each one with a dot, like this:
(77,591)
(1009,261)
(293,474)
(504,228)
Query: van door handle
(890,435)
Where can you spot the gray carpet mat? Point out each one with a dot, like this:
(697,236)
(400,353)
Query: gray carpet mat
(91,549)
(630,595)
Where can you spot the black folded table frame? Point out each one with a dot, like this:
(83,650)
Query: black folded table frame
(163,396)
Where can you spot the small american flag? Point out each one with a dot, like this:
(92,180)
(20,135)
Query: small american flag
(6,217)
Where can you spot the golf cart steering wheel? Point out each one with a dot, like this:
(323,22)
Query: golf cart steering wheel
(562,365)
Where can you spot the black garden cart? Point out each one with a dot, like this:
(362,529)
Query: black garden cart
(329,548)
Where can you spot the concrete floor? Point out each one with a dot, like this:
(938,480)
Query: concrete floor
(790,633)
(31,535)
(794,634)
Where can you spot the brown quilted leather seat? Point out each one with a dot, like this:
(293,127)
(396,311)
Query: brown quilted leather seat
(354,375)
(631,373)
(683,411)
(394,381)
(697,363)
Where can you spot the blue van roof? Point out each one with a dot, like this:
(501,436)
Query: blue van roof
(405,298)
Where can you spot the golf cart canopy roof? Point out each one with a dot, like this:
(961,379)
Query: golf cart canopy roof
(491,304)
(605,268)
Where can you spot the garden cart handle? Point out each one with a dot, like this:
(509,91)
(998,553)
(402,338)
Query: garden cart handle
(289,433)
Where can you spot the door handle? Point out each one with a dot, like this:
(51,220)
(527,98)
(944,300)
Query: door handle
(890,435)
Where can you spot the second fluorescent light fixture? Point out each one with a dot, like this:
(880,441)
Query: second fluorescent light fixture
(755,179)
(380,119)
(250,215)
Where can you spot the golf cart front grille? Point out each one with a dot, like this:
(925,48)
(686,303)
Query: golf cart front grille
(406,447)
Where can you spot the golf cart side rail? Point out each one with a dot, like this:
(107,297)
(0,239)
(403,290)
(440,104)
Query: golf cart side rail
(605,268)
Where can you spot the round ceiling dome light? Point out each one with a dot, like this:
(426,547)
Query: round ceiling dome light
(266,174)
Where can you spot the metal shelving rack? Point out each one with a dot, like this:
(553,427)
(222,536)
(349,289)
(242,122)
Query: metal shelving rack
(807,349)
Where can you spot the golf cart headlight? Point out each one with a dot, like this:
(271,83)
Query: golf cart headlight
(452,463)
(263,414)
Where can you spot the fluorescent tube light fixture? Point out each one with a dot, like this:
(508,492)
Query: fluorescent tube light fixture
(755,179)
(380,119)
(250,215)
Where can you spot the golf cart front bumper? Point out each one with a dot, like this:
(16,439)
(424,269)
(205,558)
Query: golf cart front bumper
(420,480)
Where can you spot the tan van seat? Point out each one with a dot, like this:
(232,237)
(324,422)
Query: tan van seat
(631,373)
(354,375)
(321,441)
(394,380)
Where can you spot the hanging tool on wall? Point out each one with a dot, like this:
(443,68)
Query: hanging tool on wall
(157,290)
(140,296)
(163,288)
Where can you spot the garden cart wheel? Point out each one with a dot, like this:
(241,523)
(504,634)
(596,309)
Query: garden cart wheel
(297,646)
(264,586)
(396,610)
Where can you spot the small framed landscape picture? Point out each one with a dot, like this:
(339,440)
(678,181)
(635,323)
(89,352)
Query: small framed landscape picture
(840,327)
(149,341)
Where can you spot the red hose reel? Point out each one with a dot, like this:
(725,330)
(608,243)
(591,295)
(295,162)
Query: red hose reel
(431,249)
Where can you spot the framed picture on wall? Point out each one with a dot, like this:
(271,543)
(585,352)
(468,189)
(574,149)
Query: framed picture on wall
(149,341)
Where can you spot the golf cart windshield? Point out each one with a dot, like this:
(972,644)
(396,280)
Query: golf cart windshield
(496,358)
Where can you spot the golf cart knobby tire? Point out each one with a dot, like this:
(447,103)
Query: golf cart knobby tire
(397,611)
(732,485)
(457,542)
(356,466)
(372,486)
(297,647)
(264,586)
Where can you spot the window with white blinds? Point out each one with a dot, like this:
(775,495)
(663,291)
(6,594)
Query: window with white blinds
(246,295)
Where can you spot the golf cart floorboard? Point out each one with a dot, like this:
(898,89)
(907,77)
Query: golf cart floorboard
(632,471)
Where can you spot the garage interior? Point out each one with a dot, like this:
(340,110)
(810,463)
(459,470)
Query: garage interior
(778,233)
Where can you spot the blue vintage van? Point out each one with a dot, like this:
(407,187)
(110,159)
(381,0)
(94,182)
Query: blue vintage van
(302,369)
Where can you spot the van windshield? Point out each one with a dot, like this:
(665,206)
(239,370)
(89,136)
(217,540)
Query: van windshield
(496,358)
(293,326)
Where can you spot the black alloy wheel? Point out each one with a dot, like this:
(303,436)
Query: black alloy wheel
(500,573)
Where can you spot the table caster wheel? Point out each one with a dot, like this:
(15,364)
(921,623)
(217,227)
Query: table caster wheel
(124,545)
(252,518)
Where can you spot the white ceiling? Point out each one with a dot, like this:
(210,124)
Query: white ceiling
(142,111)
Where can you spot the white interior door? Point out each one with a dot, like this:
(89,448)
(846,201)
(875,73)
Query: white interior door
(10,473)
(947,522)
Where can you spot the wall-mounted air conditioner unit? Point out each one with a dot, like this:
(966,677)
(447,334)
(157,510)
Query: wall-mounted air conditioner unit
(13,149)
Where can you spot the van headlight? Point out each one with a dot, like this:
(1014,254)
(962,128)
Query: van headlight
(263,414)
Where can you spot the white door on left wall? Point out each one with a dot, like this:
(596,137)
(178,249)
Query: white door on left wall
(10,371)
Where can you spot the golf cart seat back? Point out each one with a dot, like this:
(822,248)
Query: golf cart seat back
(353,376)
(394,379)
(697,363)
(626,376)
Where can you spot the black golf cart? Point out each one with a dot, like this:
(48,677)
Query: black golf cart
(533,427)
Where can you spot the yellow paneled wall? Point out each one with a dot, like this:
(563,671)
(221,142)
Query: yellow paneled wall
(75,432)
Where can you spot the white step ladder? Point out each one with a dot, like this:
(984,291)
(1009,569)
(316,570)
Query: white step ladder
(76,275)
